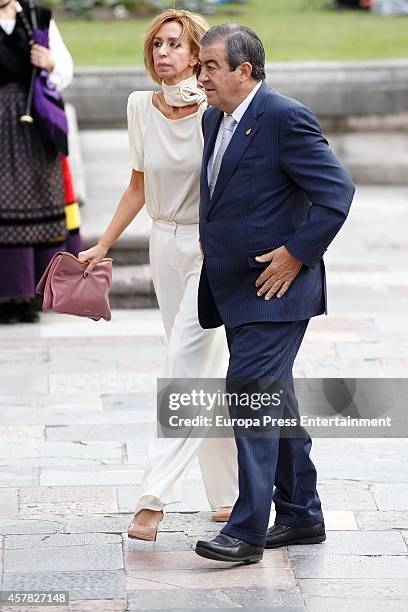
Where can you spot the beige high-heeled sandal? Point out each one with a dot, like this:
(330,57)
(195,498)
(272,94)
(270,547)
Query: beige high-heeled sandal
(221,515)
(143,532)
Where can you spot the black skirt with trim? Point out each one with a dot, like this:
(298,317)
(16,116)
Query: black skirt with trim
(31,181)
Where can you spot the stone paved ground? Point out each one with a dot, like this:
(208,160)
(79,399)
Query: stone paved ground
(77,409)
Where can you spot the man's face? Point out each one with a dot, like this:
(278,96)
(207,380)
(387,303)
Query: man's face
(221,85)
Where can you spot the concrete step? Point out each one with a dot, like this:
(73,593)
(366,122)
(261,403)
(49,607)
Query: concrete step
(132,287)
(377,158)
(336,91)
(107,172)
(128,251)
(90,156)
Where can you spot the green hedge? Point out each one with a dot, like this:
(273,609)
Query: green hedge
(81,8)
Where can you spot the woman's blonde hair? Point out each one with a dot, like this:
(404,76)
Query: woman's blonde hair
(194,27)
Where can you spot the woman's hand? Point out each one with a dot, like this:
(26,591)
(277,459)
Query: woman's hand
(41,57)
(94,255)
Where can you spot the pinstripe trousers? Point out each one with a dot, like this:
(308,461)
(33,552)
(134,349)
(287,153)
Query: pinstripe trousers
(260,355)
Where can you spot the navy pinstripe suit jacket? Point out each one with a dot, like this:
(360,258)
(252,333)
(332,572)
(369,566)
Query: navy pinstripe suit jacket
(279,184)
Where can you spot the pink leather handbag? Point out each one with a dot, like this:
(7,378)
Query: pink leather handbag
(69,289)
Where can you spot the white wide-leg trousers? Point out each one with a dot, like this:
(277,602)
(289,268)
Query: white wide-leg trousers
(192,352)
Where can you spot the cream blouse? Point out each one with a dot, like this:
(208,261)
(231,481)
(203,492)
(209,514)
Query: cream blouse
(169,153)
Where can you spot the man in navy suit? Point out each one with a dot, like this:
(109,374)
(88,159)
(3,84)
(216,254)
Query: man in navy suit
(273,197)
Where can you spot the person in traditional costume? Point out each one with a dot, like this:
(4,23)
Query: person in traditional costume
(38,212)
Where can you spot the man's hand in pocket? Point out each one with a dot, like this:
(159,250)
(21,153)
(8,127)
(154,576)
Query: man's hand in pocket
(279,275)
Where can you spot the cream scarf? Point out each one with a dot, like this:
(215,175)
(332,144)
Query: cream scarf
(184,93)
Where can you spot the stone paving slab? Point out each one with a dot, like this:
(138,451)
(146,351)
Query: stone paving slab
(127,497)
(234,609)
(322,604)
(88,585)
(105,557)
(373,350)
(110,352)
(340,520)
(355,594)
(11,356)
(348,459)
(390,469)
(286,600)
(350,566)
(243,609)
(187,522)
(346,495)
(182,561)
(96,605)
(99,605)
(98,432)
(194,579)
(102,363)
(166,542)
(8,502)
(136,401)
(29,526)
(193,498)
(390,519)
(123,328)
(15,608)
(359,543)
(359,589)
(107,523)
(60,540)
(11,384)
(62,415)
(109,383)
(136,450)
(42,408)
(68,499)
(68,463)
(104,475)
(391,496)
(21,433)
(27,364)
(90,450)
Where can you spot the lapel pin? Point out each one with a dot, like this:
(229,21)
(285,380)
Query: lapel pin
(248,131)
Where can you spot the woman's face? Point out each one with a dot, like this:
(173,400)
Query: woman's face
(173,58)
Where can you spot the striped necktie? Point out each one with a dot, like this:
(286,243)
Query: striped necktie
(229,124)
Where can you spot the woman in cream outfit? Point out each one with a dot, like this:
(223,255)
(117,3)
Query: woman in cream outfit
(166,147)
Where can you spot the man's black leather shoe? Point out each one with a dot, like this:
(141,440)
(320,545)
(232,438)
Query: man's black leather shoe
(227,548)
(282,535)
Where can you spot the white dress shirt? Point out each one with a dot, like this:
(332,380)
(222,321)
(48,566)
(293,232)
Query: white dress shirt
(238,113)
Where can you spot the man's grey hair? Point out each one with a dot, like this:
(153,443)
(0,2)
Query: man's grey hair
(242,45)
